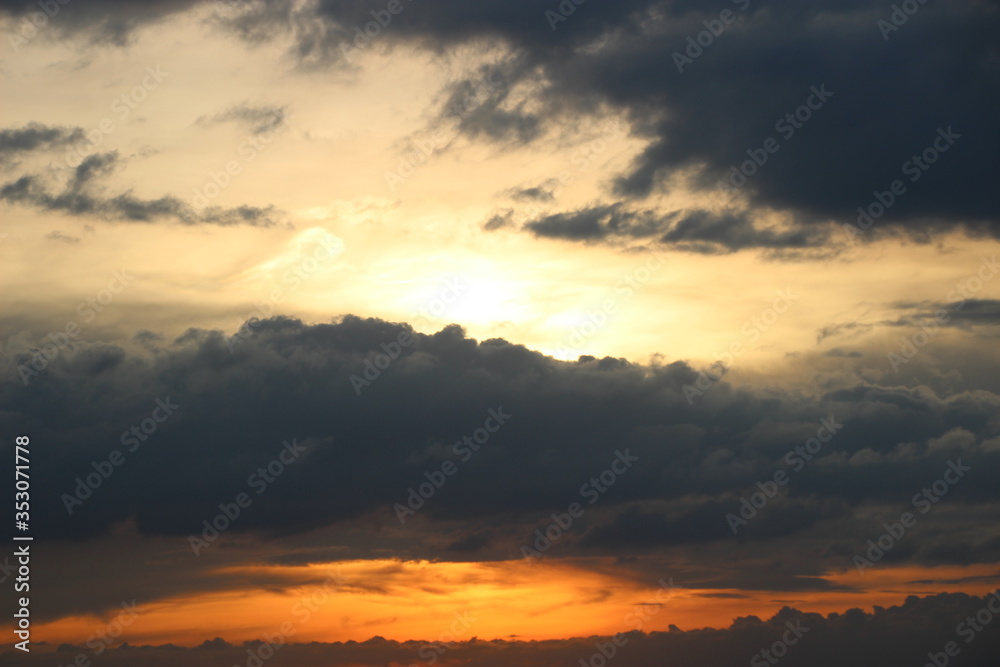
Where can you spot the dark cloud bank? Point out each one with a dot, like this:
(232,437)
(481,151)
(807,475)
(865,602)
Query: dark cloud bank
(700,451)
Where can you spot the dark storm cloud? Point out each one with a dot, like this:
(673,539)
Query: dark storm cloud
(869,124)
(259,119)
(900,636)
(699,522)
(930,86)
(289,380)
(83,195)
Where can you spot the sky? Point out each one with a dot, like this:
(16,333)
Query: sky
(542,333)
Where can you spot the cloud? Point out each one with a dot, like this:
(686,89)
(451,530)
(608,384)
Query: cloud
(697,458)
(964,313)
(595,223)
(838,352)
(82,195)
(486,108)
(259,119)
(99,21)
(536,193)
(936,74)
(57,235)
(958,313)
(699,522)
(725,106)
(499,220)
(35,136)
(698,231)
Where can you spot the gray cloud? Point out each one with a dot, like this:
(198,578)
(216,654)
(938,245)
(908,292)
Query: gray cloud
(259,119)
(83,196)
(689,230)
(962,313)
(535,193)
(245,406)
(35,136)
(101,21)
(57,235)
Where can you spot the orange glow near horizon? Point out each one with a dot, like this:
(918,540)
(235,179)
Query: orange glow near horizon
(504,600)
